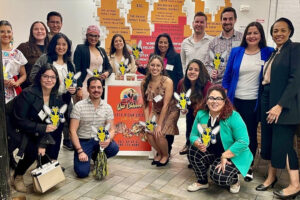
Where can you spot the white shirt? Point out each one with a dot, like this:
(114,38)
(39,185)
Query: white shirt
(248,83)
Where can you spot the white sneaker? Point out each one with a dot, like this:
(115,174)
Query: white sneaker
(235,188)
(196,186)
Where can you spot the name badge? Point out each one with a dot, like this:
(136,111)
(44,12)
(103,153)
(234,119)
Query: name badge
(260,62)
(42,115)
(236,43)
(170,67)
(158,98)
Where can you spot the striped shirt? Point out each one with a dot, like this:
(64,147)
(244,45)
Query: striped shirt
(89,116)
(220,45)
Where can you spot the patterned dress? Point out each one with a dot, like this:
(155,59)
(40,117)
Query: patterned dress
(169,125)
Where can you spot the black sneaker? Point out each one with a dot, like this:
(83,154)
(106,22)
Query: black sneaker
(249,176)
(68,145)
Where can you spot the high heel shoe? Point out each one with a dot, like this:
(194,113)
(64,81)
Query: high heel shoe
(154,162)
(261,187)
(159,164)
(282,196)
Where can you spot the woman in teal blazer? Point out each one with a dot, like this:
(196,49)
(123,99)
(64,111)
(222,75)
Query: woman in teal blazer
(220,139)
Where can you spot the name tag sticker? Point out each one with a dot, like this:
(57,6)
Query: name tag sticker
(260,62)
(158,98)
(170,67)
(42,115)
(236,43)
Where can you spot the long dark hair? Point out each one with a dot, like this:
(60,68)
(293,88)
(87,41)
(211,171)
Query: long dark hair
(43,69)
(51,52)
(197,95)
(262,43)
(32,40)
(125,51)
(171,50)
(148,76)
(228,107)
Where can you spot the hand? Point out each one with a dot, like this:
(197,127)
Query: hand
(138,63)
(105,143)
(72,90)
(200,146)
(184,111)
(273,114)
(50,128)
(104,75)
(214,74)
(157,131)
(9,83)
(83,157)
(222,165)
(41,151)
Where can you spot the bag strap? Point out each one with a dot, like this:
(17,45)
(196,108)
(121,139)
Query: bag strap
(39,160)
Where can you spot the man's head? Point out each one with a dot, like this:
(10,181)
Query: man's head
(228,19)
(54,22)
(199,23)
(94,87)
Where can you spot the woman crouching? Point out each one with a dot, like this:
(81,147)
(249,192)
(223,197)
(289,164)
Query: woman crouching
(220,139)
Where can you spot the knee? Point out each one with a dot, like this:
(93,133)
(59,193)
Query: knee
(112,149)
(81,171)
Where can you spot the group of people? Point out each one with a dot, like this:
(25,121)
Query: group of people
(235,81)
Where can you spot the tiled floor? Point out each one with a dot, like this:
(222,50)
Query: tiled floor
(134,178)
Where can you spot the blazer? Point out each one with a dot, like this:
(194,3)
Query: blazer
(27,106)
(232,71)
(82,61)
(285,83)
(175,72)
(234,136)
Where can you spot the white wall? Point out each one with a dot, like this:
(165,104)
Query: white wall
(78,14)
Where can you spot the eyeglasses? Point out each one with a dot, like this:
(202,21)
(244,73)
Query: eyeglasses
(211,98)
(52,78)
(93,36)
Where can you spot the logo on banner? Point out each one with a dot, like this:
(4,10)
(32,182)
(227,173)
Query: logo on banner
(129,98)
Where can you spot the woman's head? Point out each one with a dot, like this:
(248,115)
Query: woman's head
(282,30)
(155,66)
(60,45)
(118,43)
(47,78)
(217,103)
(164,45)
(6,32)
(38,33)
(92,36)
(254,35)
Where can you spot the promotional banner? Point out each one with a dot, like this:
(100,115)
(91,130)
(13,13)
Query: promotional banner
(127,105)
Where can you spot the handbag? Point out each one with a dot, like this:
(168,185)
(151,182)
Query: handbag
(46,176)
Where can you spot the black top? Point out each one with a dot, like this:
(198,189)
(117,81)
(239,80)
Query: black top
(217,149)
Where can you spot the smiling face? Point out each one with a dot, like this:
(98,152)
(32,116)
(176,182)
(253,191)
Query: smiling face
(61,46)
(253,36)
(6,34)
(163,45)
(215,102)
(54,24)
(199,25)
(280,33)
(39,32)
(228,21)
(193,72)
(119,43)
(93,38)
(48,80)
(95,89)
(155,67)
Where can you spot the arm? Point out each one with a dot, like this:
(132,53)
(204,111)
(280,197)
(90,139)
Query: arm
(178,70)
(228,71)
(208,59)
(168,84)
(132,65)
(145,108)
(79,66)
(194,133)
(107,69)
(36,67)
(183,56)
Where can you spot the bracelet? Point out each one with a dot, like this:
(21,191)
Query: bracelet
(80,152)
(78,149)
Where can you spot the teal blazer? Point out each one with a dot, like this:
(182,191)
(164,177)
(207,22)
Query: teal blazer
(234,136)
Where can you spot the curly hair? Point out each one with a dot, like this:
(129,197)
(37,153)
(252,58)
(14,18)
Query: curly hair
(228,107)
(148,76)
(197,95)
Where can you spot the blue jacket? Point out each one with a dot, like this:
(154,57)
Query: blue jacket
(234,137)
(232,72)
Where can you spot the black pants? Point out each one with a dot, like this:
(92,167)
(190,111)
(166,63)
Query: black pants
(190,118)
(31,153)
(276,139)
(201,161)
(170,139)
(246,108)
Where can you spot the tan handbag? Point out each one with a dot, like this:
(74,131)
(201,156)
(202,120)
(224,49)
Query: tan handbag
(46,176)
